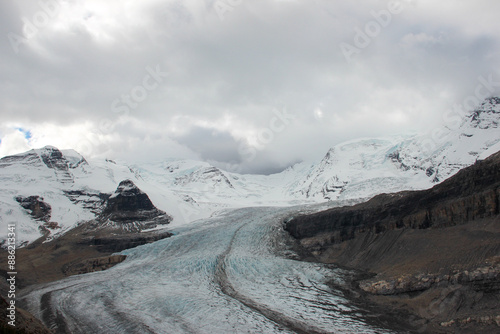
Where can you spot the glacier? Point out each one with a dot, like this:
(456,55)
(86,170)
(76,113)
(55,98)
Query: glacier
(233,273)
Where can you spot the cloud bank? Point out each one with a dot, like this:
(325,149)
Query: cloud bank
(149,80)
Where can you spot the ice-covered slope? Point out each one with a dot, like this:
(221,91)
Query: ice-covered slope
(451,149)
(356,169)
(69,188)
(74,187)
(74,190)
(366,167)
(45,173)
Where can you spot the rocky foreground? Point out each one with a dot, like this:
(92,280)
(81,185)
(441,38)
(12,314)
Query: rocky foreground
(434,254)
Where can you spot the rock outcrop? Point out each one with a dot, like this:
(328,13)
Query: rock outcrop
(92,265)
(92,200)
(112,242)
(131,208)
(485,278)
(36,207)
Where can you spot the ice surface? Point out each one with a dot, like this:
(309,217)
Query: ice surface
(220,275)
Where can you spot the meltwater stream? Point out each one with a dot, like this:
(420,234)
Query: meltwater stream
(228,274)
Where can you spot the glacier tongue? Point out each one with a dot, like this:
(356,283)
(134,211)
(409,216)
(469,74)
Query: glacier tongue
(221,275)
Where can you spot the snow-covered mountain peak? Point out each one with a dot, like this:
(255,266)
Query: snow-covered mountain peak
(368,166)
(30,158)
(126,188)
(46,148)
(131,209)
(487,115)
(212,175)
(348,164)
(329,156)
(74,158)
(48,156)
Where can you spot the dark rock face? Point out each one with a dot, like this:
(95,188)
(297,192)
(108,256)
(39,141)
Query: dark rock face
(117,243)
(88,199)
(471,194)
(485,279)
(480,117)
(129,204)
(35,205)
(53,158)
(92,265)
(128,197)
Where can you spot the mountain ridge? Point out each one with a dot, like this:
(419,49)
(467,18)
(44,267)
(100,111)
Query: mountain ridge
(75,188)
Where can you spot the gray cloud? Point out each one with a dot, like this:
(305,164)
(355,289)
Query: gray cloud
(225,77)
(211,144)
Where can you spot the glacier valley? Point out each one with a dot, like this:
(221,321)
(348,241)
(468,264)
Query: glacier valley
(230,274)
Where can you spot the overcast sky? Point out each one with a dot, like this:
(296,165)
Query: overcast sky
(248,85)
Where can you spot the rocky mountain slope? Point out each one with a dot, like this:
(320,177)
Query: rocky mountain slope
(438,250)
(25,322)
